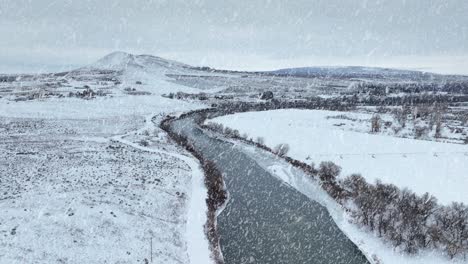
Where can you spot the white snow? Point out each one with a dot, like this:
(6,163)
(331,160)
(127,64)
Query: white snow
(87,191)
(197,243)
(422,166)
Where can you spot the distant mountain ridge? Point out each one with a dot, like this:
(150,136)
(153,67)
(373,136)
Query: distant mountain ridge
(352,72)
(119,61)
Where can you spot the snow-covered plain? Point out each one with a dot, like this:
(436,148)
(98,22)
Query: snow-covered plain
(96,181)
(422,166)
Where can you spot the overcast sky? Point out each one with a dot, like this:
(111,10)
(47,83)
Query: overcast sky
(237,34)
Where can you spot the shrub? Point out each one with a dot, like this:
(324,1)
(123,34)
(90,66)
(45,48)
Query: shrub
(260,140)
(401,116)
(214,182)
(420,131)
(235,133)
(281,150)
(216,127)
(328,171)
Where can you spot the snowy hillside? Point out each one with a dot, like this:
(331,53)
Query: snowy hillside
(121,60)
(87,177)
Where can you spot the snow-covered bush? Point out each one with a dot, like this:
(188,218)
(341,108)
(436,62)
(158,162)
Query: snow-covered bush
(214,182)
(215,127)
(281,149)
(260,140)
(245,136)
(328,171)
(420,131)
(401,116)
(144,143)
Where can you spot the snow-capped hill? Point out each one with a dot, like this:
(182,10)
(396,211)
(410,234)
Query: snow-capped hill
(154,61)
(116,61)
(122,61)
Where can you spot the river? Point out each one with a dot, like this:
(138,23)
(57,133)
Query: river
(265,220)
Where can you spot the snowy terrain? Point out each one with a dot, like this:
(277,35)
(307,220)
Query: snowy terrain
(87,176)
(315,136)
(377,251)
(94,180)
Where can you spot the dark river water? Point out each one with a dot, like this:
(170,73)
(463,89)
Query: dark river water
(265,220)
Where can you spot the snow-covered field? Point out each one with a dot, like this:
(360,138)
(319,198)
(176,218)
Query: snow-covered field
(422,166)
(96,181)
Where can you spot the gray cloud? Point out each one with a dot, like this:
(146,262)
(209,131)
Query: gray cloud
(47,32)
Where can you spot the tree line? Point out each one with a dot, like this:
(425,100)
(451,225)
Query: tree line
(409,221)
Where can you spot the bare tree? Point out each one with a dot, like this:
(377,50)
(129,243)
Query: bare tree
(464,120)
(231,132)
(438,130)
(438,126)
(409,221)
(376,123)
(453,222)
(400,116)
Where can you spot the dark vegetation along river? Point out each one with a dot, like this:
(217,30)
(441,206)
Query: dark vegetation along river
(265,220)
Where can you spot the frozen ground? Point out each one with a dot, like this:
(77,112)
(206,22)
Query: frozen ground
(95,181)
(422,166)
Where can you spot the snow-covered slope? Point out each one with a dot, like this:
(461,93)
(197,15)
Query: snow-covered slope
(120,61)
(91,179)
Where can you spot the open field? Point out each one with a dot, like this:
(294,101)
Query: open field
(315,136)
